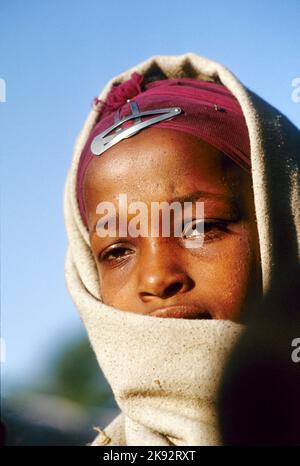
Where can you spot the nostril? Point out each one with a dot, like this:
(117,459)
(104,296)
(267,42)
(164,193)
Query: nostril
(172,289)
(206,315)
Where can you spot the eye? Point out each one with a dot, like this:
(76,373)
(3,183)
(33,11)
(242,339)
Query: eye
(210,229)
(115,253)
(194,228)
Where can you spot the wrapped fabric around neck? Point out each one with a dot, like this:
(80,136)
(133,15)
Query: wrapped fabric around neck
(166,391)
(164,373)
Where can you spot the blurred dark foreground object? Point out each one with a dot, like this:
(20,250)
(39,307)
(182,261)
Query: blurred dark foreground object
(2,434)
(259,398)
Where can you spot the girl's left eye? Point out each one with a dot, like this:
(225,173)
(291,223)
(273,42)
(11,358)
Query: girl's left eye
(210,229)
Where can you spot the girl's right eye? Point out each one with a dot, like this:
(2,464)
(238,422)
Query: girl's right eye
(116,253)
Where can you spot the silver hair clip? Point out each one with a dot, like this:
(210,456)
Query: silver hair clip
(102,141)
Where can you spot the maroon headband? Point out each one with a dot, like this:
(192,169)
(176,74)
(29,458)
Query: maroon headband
(207,110)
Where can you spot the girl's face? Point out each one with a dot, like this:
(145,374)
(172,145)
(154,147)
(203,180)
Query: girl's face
(220,279)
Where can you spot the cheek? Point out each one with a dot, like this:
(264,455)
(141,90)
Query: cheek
(117,288)
(224,278)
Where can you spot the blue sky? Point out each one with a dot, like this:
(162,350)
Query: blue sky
(55,57)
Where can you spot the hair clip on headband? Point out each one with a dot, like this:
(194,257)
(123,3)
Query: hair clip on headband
(104,140)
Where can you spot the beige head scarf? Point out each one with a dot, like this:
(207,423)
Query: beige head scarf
(165,372)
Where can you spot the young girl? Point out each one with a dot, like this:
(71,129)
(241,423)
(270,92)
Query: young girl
(163,311)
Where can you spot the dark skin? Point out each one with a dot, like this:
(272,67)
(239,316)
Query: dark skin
(222,278)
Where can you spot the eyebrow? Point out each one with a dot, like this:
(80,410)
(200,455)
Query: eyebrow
(196,195)
(192,197)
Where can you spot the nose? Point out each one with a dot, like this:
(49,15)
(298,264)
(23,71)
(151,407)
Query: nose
(161,272)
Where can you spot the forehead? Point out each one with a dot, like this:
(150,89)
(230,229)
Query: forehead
(159,161)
